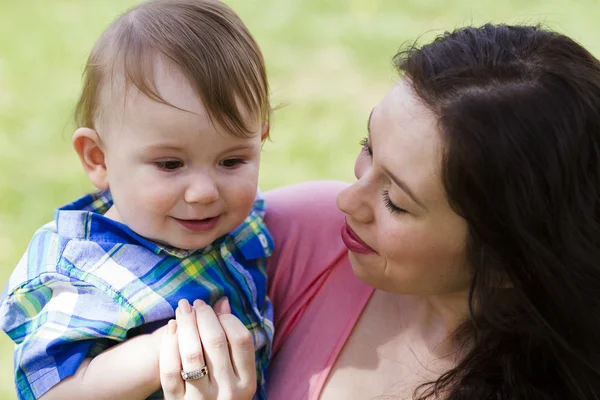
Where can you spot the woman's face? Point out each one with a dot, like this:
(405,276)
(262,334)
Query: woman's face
(402,234)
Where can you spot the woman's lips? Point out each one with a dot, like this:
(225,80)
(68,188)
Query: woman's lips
(353,242)
(199,225)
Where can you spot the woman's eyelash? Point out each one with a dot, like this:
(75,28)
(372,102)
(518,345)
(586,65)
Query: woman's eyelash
(366,146)
(394,209)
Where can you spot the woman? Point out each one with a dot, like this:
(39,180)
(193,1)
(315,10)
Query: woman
(473,230)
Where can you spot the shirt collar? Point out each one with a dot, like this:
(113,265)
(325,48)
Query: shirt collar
(84,219)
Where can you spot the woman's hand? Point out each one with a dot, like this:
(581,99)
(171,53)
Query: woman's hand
(215,339)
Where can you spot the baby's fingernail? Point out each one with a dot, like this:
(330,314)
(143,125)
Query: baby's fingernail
(198,303)
(185,306)
(226,305)
(172,327)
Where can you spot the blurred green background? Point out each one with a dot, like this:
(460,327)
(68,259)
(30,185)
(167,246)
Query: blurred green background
(329,64)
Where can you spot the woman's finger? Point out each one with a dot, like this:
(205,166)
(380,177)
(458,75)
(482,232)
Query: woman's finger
(241,346)
(170,365)
(190,346)
(214,342)
(222,306)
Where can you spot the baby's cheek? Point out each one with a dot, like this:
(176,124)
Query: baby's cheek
(245,196)
(153,200)
(241,188)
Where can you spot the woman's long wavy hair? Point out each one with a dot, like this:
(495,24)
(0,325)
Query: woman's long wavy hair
(519,113)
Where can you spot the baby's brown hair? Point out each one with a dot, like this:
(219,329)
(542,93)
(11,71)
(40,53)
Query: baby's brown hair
(204,39)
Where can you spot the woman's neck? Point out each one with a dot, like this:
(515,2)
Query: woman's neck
(431,319)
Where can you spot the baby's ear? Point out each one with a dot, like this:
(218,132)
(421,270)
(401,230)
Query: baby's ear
(264,134)
(90,150)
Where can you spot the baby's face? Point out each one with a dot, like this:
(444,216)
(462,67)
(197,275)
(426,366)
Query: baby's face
(176,178)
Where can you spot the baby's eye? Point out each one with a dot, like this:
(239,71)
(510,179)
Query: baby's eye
(169,165)
(233,162)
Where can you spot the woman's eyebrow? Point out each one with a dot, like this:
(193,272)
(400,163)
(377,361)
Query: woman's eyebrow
(402,185)
(399,182)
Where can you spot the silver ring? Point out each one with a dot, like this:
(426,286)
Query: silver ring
(193,375)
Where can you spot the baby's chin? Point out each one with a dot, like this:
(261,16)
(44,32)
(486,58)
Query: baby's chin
(193,242)
(190,244)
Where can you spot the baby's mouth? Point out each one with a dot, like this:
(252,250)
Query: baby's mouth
(199,225)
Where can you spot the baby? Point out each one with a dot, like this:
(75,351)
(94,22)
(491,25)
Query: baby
(173,114)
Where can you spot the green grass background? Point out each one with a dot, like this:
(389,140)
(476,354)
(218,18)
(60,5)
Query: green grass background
(329,64)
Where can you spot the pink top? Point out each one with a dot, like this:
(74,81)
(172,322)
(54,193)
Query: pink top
(316,296)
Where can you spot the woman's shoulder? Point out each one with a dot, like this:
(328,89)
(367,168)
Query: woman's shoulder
(316,296)
(301,203)
(305,221)
(305,224)
(305,216)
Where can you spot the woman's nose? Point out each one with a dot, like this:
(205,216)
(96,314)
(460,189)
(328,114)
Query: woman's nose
(356,200)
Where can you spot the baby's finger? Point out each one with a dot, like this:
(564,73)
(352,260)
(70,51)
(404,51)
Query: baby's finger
(170,365)
(242,350)
(190,347)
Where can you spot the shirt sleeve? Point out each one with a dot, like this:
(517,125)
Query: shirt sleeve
(305,224)
(55,322)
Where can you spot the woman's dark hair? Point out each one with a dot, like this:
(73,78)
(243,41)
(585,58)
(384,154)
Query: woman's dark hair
(519,114)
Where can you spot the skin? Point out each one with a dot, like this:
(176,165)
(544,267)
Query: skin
(179,165)
(418,267)
(215,338)
(165,163)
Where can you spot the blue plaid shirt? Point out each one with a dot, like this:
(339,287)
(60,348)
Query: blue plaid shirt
(85,276)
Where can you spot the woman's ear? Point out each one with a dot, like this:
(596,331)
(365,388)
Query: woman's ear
(90,150)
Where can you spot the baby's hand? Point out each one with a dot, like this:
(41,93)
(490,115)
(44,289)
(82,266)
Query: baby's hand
(207,354)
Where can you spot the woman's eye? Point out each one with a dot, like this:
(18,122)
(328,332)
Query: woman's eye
(366,146)
(394,209)
(169,165)
(232,162)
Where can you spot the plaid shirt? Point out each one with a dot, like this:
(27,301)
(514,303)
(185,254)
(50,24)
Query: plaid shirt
(85,277)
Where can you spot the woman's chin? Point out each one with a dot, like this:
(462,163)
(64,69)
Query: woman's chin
(366,272)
